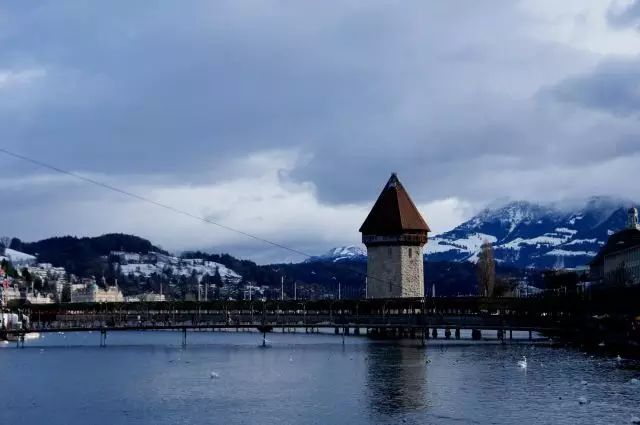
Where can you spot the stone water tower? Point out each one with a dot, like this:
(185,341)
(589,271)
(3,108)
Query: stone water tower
(394,233)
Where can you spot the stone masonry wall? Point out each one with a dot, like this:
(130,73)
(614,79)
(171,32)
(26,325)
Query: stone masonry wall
(395,271)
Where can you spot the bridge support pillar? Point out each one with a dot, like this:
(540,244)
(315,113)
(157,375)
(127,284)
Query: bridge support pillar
(337,330)
(510,334)
(447,333)
(356,331)
(457,333)
(530,335)
(434,333)
(346,330)
(476,334)
(103,338)
(500,335)
(184,337)
(412,333)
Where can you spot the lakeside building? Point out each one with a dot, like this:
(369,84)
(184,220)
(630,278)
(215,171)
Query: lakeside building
(618,262)
(91,293)
(147,297)
(38,298)
(46,271)
(12,292)
(394,233)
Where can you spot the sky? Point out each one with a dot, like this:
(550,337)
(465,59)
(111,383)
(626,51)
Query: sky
(284,119)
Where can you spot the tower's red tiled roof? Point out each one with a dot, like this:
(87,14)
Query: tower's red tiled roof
(394,212)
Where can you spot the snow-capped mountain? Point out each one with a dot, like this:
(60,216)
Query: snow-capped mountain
(351,252)
(525,234)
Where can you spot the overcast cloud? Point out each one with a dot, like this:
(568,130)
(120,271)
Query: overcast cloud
(285,118)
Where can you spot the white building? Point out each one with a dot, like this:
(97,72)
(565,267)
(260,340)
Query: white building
(39,298)
(147,297)
(93,294)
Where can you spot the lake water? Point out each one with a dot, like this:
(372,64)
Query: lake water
(147,378)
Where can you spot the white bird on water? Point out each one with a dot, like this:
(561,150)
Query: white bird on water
(582,400)
(523,363)
(215,375)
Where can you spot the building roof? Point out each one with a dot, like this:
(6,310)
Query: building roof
(624,239)
(394,212)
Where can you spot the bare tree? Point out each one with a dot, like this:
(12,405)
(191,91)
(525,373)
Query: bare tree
(486,272)
(5,242)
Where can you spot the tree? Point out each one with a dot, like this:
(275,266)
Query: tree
(216,278)
(9,269)
(65,297)
(5,242)
(486,270)
(26,275)
(37,283)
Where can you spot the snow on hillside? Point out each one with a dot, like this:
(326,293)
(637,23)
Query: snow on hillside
(467,246)
(18,258)
(350,252)
(179,267)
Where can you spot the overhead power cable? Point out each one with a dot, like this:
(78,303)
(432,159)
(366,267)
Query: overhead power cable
(178,211)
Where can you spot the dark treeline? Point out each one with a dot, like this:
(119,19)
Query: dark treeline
(82,256)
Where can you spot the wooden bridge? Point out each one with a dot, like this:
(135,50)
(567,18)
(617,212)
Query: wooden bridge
(416,317)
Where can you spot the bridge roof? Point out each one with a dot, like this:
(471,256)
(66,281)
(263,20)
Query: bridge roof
(394,212)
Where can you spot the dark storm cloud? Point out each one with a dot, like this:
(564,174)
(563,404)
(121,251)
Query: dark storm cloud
(612,87)
(471,101)
(178,91)
(625,16)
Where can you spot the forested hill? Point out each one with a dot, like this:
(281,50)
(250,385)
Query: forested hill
(79,255)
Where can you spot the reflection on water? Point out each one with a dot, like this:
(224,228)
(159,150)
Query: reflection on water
(148,379)
(396,378)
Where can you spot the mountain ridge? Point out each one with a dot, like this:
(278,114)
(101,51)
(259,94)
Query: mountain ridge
(524,234)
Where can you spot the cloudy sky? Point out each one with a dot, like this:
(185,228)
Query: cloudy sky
(285,118)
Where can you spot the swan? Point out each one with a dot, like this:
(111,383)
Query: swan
(215,375)
(618,358)
(523,363)
(635,420)
(582,400)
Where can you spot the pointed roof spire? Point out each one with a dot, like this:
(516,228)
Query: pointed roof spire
(394,212)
